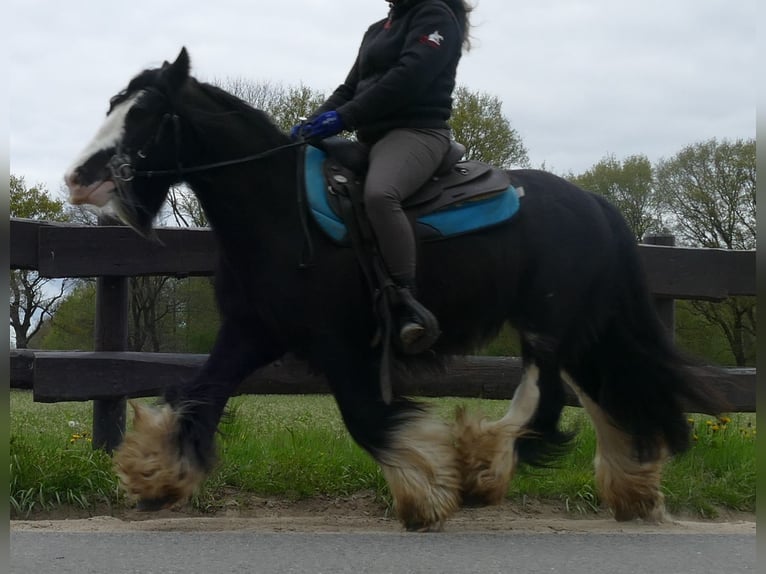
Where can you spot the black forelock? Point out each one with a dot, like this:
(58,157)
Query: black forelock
(150,78)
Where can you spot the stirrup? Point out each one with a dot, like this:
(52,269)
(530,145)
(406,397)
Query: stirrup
(419,329)
(410,331)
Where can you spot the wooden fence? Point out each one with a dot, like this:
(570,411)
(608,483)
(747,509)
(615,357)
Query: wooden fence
(110,374)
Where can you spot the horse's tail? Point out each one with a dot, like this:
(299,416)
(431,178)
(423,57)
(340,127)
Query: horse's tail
(646,383)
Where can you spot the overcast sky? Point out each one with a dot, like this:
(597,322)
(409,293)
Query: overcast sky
(579,79)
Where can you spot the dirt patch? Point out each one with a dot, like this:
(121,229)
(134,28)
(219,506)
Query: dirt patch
(361,512)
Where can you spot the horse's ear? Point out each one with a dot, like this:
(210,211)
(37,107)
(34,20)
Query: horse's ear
(178,72)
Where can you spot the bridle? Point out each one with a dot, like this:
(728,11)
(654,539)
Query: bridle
(121,163)
(123,172)
(121,167)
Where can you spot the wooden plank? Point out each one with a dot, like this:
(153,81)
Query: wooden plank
(23,243)
(85,251)
(111,335)
(66,250)
(710,274)
(83,376)
(105,375)
(22,368)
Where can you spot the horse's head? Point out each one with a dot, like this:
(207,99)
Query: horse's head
(140,135)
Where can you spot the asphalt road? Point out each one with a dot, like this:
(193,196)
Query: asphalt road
(47,552)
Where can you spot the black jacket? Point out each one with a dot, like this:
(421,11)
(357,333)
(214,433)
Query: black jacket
(404,73)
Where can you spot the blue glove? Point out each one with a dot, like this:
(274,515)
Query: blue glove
(323,126)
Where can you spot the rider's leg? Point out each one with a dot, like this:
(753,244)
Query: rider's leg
(400,163)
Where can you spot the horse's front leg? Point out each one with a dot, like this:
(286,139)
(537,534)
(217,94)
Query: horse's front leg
(414,448)
(171,448)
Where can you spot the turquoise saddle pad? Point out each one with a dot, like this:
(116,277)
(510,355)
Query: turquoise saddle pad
(447,222)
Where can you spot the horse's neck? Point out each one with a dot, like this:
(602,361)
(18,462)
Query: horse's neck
(252,201)
(244,199)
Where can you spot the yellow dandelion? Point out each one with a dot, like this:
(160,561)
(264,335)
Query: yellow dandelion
(690,421)
(715,428)
(709,423)
(695,437)
(724,420)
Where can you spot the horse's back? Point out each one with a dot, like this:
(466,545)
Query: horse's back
(565,223)
(549,196)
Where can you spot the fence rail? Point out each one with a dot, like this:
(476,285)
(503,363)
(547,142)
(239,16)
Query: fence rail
(66,250)
(113,253)
(104,376)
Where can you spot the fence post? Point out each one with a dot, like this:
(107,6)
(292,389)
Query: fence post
(666,307)
(111,334)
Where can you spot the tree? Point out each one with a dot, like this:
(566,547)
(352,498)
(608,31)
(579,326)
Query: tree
(709,189)
(176,316)
(479,124)
(285,105)
(32,298)
(74,324)
(629,185)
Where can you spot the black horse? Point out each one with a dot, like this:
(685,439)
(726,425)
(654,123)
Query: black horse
(564,271)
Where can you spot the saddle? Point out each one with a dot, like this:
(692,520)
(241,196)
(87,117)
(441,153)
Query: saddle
(461,197)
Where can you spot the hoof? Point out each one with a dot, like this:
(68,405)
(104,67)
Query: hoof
(485,456)
(153,505)
(149,462)
(651,510)
(422,474)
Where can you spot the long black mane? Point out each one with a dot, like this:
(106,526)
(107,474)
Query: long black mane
(255,121)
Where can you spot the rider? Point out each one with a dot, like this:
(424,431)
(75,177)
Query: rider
(398,98)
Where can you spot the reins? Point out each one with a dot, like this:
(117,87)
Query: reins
(122,168)
(184,170)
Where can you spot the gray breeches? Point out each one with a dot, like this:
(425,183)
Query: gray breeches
(400,163)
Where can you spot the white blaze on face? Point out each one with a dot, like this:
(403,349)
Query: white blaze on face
(108,136)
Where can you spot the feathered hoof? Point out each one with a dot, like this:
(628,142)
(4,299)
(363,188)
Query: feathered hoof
(485,458)
(422,474)
(149,463)
(422,506)
(648,507)
(631,489)
(419,505)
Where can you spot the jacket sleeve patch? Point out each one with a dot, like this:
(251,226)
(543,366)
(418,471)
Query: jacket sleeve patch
(434,39)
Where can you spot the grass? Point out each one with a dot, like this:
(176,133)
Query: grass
(297,447)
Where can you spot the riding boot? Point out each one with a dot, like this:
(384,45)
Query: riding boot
(417,327)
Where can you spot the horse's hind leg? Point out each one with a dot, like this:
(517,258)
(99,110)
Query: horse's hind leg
(486,449)
(489,452)
(629,485)
(413,447)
